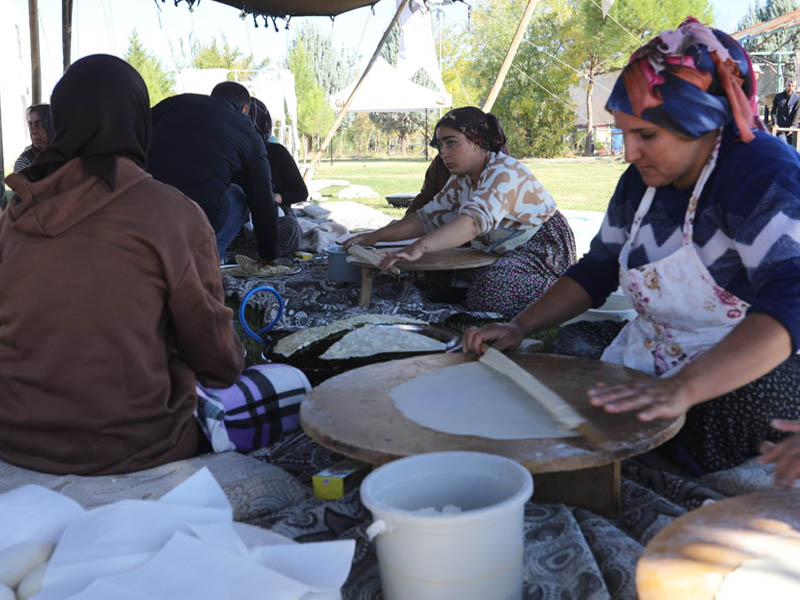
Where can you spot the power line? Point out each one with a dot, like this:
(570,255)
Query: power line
(610,16)
(572,108)
(581,73)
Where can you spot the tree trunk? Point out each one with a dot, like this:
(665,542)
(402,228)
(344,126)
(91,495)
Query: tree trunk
(403,145)
(588,149)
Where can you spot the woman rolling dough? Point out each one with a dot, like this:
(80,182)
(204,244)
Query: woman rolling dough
(702,235)
(494,201)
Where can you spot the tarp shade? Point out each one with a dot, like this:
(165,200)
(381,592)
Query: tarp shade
(297,8)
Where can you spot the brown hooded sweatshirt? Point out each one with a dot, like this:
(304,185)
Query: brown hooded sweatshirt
(111,306)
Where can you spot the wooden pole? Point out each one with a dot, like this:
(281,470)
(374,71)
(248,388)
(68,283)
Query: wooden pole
(36,69)
(66,32)
(309,172)
(2,161)
(512,51)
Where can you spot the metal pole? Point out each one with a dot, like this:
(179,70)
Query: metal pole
(66,32)
(780,73)
(36,70)
(340,117)
(512,50)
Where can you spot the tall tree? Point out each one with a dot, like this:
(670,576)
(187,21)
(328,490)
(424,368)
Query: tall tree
(224,56)
(781,40)
(608,42)
(334,67)
(160,83)
(533,104)
(314,114)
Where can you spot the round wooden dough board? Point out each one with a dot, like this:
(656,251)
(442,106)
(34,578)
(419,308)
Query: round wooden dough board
(452,259)
(691,556)
(353,413)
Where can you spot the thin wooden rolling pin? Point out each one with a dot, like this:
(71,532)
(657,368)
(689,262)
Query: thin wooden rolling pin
(563,413)
(372,258)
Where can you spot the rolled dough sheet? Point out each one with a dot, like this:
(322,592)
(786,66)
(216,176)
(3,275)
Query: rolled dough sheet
(472,399)
(761,578)
(371,339)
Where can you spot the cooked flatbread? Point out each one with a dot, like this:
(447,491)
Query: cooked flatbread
(249,267)
(373,339)
(305,337)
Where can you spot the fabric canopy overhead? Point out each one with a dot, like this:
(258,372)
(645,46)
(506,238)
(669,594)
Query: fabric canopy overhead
(385,90)
(297,8)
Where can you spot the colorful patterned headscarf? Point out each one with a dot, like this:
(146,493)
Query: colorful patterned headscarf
(690,81)
(480,128)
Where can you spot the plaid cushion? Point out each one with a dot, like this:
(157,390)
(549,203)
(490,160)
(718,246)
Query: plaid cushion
(254,412)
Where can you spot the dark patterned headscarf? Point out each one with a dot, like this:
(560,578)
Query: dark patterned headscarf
(101,110)
(261,118)
(691,81)
(480,128)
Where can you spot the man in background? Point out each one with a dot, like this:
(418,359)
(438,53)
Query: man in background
(207,148)
(784,111)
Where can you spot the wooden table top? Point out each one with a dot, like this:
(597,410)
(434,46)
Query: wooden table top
(354,414)
(452,259)
(691,556)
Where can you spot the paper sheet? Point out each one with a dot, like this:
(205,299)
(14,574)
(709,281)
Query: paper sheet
(472,399)
(182,546)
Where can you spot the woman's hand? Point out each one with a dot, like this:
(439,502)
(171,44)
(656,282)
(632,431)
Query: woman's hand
(362,239)
(501,336)
(408,254)
(658,398)
(278,198)
(785,454)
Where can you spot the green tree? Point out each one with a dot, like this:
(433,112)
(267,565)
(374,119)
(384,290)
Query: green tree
(778,41)
(223,56)
(160,83)
(334,67)
(533,105)
(314,114)
(608,43)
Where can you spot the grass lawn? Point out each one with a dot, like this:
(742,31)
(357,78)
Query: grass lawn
(576,184)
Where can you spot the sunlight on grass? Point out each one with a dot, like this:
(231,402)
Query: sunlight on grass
(576,184)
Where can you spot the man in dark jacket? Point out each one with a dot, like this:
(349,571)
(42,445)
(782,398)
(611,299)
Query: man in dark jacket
(784,111)
(207,148)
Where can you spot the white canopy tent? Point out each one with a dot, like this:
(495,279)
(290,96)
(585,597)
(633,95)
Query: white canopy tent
(385,90)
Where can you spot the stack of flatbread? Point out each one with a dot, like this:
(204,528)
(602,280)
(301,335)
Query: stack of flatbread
(249,267)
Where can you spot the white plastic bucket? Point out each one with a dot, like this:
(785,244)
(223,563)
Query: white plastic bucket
(475,554)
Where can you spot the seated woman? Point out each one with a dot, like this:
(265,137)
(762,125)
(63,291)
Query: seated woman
(288,186)
(40,126)
(702,235)
(113,308)
(494,201)
(436,176)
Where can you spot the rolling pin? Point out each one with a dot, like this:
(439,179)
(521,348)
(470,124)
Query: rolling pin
(369,256)
(563,413)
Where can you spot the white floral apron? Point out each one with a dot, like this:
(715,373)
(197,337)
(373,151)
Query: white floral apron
(682,311)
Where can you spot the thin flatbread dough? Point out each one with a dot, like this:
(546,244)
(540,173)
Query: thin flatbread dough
(472,399)
(761,578)
(371,339)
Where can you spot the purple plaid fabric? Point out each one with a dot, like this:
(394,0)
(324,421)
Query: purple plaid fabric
(255,411)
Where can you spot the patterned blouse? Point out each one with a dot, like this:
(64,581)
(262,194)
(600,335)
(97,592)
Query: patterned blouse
(508,202)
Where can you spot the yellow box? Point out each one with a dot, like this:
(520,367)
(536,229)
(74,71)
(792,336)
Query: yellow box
(304,255)
(338,479)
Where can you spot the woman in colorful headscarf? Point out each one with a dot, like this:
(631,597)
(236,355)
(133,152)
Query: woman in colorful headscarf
(493,201)
(702,235)
(40,126)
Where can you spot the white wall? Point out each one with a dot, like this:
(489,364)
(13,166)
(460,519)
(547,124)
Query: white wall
(15,74)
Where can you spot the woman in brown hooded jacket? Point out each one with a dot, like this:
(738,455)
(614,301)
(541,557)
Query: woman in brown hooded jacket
(111,303)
